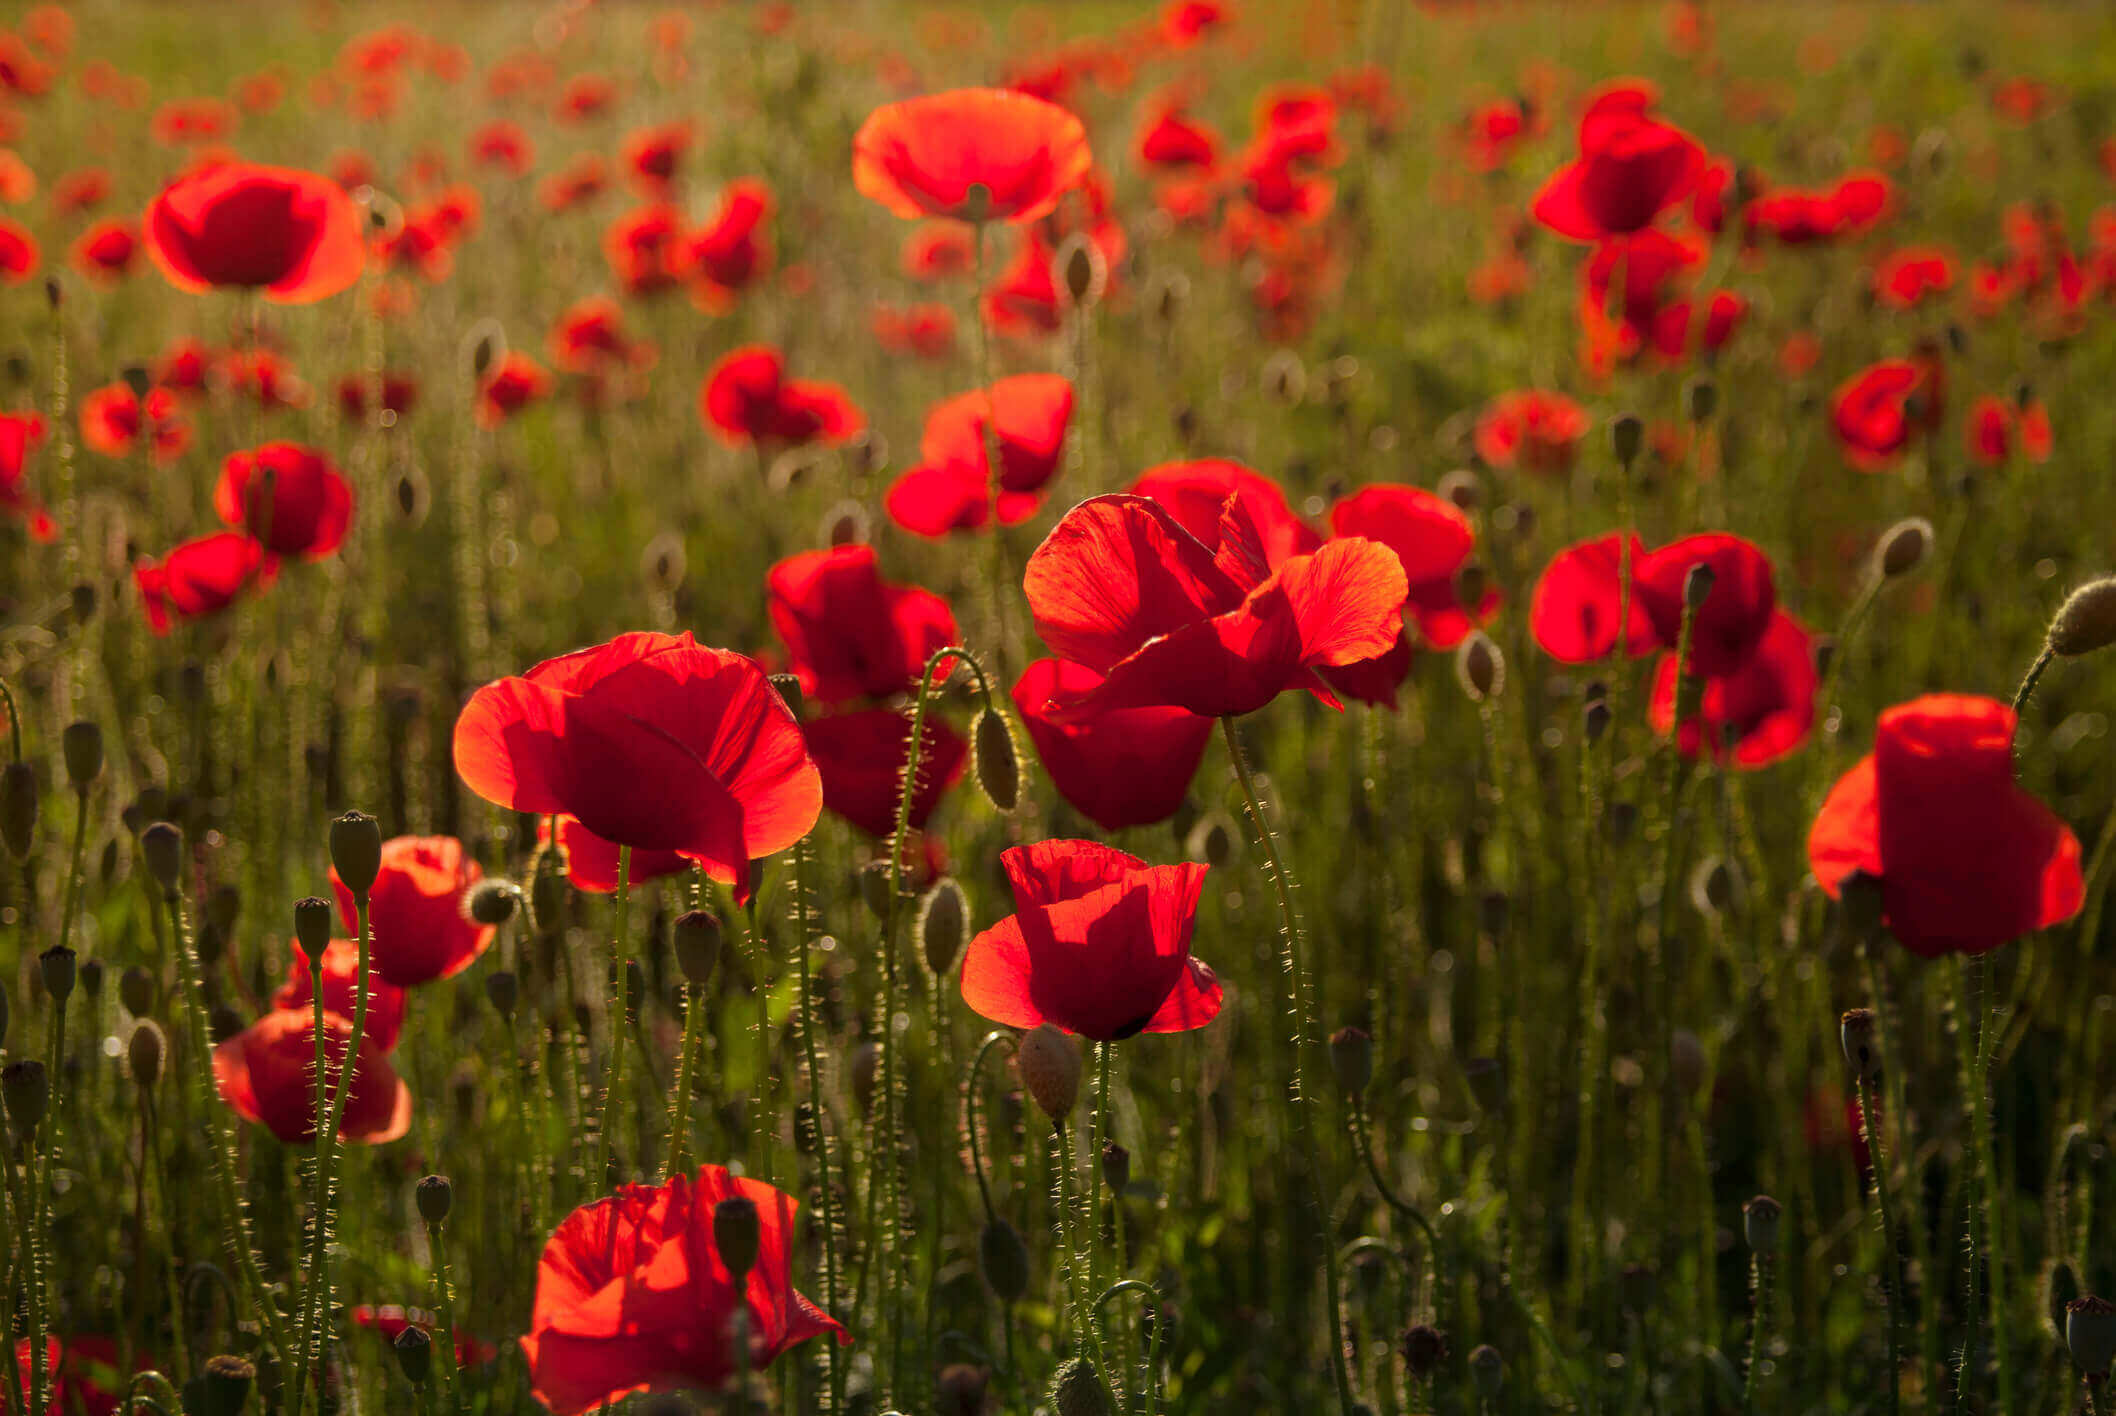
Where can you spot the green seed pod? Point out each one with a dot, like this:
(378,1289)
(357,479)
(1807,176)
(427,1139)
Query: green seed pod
(18,808)
(737,1235)
(313,921)
(1759,1224)
(2086,621)
(998,763)
(547,889)
(224,1387)
(145,1050)
(1480,666)
(414,1347)
(1005,1260)
(356,852)
(788,687)
(697,935)
(1080,270)
(26,1091)
(1903,547)
(435,1196)
(1701,399)
(943,924)
(1077,1390)
(2090,1332)
(92,978)
(1352,1059)
(1212,840)
(82,747)
(56,966)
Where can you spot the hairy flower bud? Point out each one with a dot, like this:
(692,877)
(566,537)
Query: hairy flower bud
(1627,434)
(943,924)
(998,760)
(26,1092)
(1903,547)
(224,1386)
(1488,1369)
(136,990)
(1077,1390)
(1759,1224)
(1480,666)
(56,967)
(2086,621)
(1352,1059)
(1116,1167)
(435,1197)
(492,901)
(313,920)
(1049,1063)
(145,1050)
(1697,585)
(503,990)
(697,935)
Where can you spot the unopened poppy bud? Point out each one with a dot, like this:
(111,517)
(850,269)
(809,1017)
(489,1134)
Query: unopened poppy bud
(1759,1224)
(875,888)
(697,935)
(2086,621)
(1116,1167)
(1211,840)
(503,991)
(1595,719)
(1686,1061)
(1862,898)
(861,1069)
(486,345)
(83,596)
(145,1049)
(1077,1390)
(1904,546)
(1049,1063)
(1715,886)
(1627,434)
(313,919)
(414,1348)
(998,761)
(356,852)
(26,1092)
(18,808)
(788,687)
(136,991)
(1352,1059)
(56,967)
(1472,584)
(737,1235)
(1461,488)
(1480,666)
(82,747)
(1697,585)
(1859,1032)
(435,1197)
(1004,1257)
(1487,1082)
(943,923)
(1080,269)
(54,296)
(492,902)
(1424,1348)
(2090,1332)
(1701,399)
(224,1387)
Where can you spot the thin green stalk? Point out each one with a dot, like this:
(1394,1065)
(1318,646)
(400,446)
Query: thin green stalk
(445,1313)
(764,1126)
(327,1156)
(1763,1269)
(73,876)
(1890,1284)
(33,1250)
(826,1199)
(1098,1134)
(1364,1144)
(1077,1264)
(615,1004)
(680,1094)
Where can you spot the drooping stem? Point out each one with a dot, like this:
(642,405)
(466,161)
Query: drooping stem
(1363,1142)
(617,1005)
(1878,1162)
(2034,676)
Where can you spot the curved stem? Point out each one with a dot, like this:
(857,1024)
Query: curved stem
(1153,1346)
(2034,676)
(1364,1144)
(970,1127)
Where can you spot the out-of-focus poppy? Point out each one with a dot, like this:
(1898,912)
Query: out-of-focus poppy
(1879,409)
(199,578)
(1997,431)
(861,754)
(20,435)
(951,488)
(1125,767)
(1535,430)
(1580,602)
(415,910)
(589,337)
(341,965)
(83,189)
(1767,704)
(389,1319)
(848,633)
(400,394)
(1631,167)
(1904,277)
(1433,540)
(266,1073)
(732,249)
(652,155)
(646,249)
(293,235)
(936,250)
(1022,301)
(748,400)
(1169,139)
(82,1371)
(926,329)
(105,251)
(18,252)
(510,386)
(311,504)
(1795,216)
(970,154)
(579,182)
(113,419)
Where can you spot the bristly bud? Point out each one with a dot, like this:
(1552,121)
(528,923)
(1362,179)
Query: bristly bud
(1697,585)
(1049,1063)
(313,919)
(82,747)
(697,934)
(136,990)
(224,1386)
(875,888)
(1487,1082)
(56,966)
(414,1348)
(1004,1257)
(1903,547)
(1715,886)
(1859,1032)
(145,1049)
(998,760)
(503,991)
(1627,434)
(1116,1167)
(1080,270)
(2090,1332)
(1488,1369)
(1701,399)
(1211,840)
(435,1197)
(1077,1390)
(1352,1059)
(356,852)
(26,1091)
(1424,1348)
(1862,899)
(1759,1225)
(943,924)
(737,1235)
(18,808)
(484,346)
(2086,621)
(492,901)
(1480,666)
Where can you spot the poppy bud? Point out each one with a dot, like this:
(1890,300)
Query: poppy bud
(737,1235)
(18,808)
(1686,1059)
(1715,886)
(435,1196)
(547,889)
(1049,1063)
(356,852)
(1627,433)
(1472,584)
(943,922)
(960,1389)
(2086,621)
(492,902)
(860,1071)
(1487,1082)
(1211,840)
(875,887)
(312,927)
(152,804)
(1859,1033)
(1595,719)
(1697,586)
(1424,1348)
(2090,1332)
(1116,1167)
(1701,398)
(1904,546)
(1352,1059)
(697,934)
(1077,1390)
(136,991)
(1461,488)
(1861,896)
(1005,1260)
(1081,270)
(222,906)
(53,295)
(56,966)
(1480,666)
(998,761)
(82,747)
(224,1386)
(788,687)
(485,345)
(415,1353)
(26,1091)
(84,602)
(1759,1224)
(145,1049)
(503,990)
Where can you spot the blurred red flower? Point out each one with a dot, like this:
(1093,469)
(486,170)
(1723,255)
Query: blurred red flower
(1768,702)
(748,400)
(926,330)
(1433,540)
(848,633)
(266,1073)
(1533,429)
(971,154)
(1726,629)
(1998,430)
(732,249)
(294,235)
(511,385)
(951,488)
(1124,767)
(1904,277)
(936,250)
(199,578)
(416,912)
(105,251)
(1169,139)
(20,435)
(18,252)
(652,155)
(341,965)
(311,504)
(113,417)
(1631,167)
(1580,601)
(1879,409)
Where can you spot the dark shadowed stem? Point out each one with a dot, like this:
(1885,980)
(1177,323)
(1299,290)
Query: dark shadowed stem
(1304,1048)
(971,1129)
(1077,1260)
(2035,673)
(1152,1298)
(1985,1209)
(1363,1142)
(1877,1161)
(615,1004)
(73,886)
(1098,1135)
(33,1277)
(1763,1268)
(444,1308)
(2098,1393)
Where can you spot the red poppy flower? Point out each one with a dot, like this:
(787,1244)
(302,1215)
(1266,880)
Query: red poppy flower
(632,1295)
(950,489)
(400,393)
(198,578)
(926,330)
(1022,303)
(584,96)
(1195,493)
(1185,22)
(18,180)
(747,399)
(83,189)
(1997,430)
(82,1372)
(111,419)
(652,741)
(389,1319)
(1171,140)
(1533,429)
(1803,217)
(1579,600)
(510,386)
(186,122)
(646,249)
(105,251)
(1877,410)
(341,965)
(1099,945)
(1905,277)
(267,1071)
(732,249)
(1120,587)
(1125,767)
(1727,627)
(293,234)
(20,435)
(936,250)
(1967,860)
(970,154)
(1273,182)
(848,633)
(1768,703)
(264,375)
(1631,167)
(18,252)
(415,909)
(590,337)
(652,155)
(311,504)
(1433,540)
(577,183)
(591,861)
(861,756)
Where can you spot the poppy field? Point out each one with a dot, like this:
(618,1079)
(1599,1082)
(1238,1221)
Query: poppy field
(1092,709)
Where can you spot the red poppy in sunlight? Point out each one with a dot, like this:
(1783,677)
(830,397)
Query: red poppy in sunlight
(1022,302)
(341,965)
(972,154)
(1298,121)
(82,1373)
(1433,540)
(861,756)
(1879,409)
(415,910)
(1797,217)
(632,1294)
(1099,945)
(1631,167)
(112,418)
(732,250)
(584,96)
(646,250)
(1195,493)
(400,393)
(510,386)
(311,505)
(1727,627)
(1171,140)
(1532,429)
(293,235)
(1275,185)
(936,250)
(591,861)
(1967,860)
(748,400)
(651,740)
(186,122)
(18,252)
(199,578)
(652,155)
(926,330)
(1768,704)
(589,337)
(266,1073)
(579,182)
(951,488)
(848,633)
(1580,601)
(1125,767)
(105,251)
(1905,277)
(1120,587)
(388,1319)
(20,435)
(1185,22)
(1997,430)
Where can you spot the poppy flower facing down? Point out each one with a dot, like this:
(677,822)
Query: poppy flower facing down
(1120,587)
(974,154)
(1966,858)
(310,504)
(415,910)
(198,578)
(1579,602)
(341,965)
(950,489)
(748,400)
(20,435)
(1125,767)
(266,1073)
(1099,945)
(1768,703)
(848,633)
(653,741)
(294,235)
(632,1294)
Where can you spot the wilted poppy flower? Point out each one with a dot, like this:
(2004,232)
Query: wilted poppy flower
(341,965)
(1532,429)
(1169,139)
(848,633)
(1125,767)
(652,155)
(1768,704)
(971,154)
(1122,588)
(311,505)
(632,1294)
(112,419)
(1997,430)
(105,251)
(1727,627)
(293,235)
(1878,409)
(510,386)
(1580,601)
(267,1071)
(732,250)
(652,741)
(199,578)
(748,400)
(1967,860)
(936,250)
(1631,167)
(861,756)
(20,435)
(415,910)
(1099,945)
(951,489)
(591,862)
(18,252)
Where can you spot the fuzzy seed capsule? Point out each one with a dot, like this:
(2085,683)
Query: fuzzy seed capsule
(2090,1332)
(414,1348)
(1049,1063)
(998,762)
(503,991)
(26,1092)
(435,1196)
(145,1050)
(2086,621)
(56,966)
(224,1386)
(1759,1224)
(1424,1348)
(697,936)
(1627,434)
(1077,1390)
(943,924)
(82,747)
(136,991)
(493,901)
(1904,546)
(356,851)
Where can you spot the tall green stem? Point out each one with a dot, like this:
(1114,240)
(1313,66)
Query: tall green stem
(819,1131)
(327,1160)
(1890,1286)
(617,1008)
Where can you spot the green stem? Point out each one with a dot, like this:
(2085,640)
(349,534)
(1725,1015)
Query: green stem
(2034,676)
(1364,1144)
(680,1095)
(764,1126)
(826,1199)
(1877,1161)
(1762,1269)
(444,1313)
(614,1076)
(73,876)
(327,1157)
